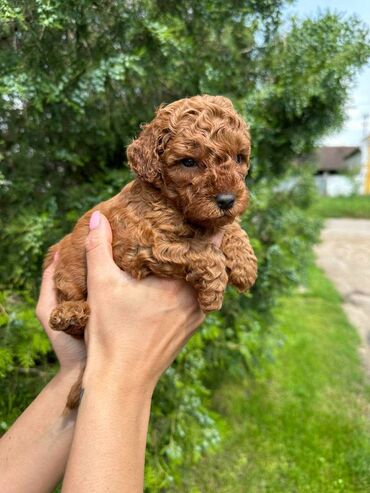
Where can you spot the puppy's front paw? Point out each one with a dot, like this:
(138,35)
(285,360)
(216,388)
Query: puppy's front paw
(210,301)
(243,277)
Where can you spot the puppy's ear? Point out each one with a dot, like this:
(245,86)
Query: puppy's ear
(144,153)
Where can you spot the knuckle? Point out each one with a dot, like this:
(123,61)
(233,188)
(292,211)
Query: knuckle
(100,279)
(48,273)
(92,242)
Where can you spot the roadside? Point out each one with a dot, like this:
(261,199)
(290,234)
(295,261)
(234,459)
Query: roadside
(344,255)
(303,425)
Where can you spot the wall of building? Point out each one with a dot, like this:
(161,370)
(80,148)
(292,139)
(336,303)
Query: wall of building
(334,185)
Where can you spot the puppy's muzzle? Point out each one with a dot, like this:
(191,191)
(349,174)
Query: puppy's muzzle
(225,201)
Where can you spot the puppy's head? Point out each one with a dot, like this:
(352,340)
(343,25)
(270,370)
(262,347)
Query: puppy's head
(196,150)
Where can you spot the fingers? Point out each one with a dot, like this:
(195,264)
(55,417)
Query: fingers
(47,299)
(99,250)
(217,239)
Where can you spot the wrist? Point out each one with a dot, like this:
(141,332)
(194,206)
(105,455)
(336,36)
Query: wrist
(66,366)
(68,374)
(116,378)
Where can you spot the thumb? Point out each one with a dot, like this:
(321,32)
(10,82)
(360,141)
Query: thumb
(99,249)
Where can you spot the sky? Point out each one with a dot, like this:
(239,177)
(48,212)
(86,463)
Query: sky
(357,122)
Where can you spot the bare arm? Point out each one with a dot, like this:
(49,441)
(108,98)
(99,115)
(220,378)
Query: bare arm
(33,453)
(135,331)
(108,450)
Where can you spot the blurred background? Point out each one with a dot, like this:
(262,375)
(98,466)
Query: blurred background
(272,393)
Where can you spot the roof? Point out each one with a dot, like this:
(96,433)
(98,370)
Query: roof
(357,150)
(334,158)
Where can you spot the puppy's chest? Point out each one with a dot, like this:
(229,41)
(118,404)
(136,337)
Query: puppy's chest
(138,234)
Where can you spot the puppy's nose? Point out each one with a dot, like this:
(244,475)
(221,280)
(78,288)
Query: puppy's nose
(225,200)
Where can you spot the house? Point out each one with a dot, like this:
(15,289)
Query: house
(340,170)
(337,169)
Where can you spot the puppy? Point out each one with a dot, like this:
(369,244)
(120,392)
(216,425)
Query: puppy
(191,162)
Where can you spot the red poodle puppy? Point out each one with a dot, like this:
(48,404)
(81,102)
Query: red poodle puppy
(191,162)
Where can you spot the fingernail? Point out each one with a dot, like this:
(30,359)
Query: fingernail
(94,220)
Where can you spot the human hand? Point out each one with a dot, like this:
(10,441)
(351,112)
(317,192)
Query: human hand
(136,328)
(71,353)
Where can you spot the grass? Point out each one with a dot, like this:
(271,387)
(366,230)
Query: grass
(304,425)
(356,206)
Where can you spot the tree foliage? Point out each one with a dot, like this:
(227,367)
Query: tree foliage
(76,80)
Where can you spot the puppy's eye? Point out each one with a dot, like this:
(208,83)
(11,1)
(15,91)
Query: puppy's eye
(239,158)
(188,162)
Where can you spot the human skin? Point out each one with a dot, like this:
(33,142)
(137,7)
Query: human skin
(129,344)
(34,451)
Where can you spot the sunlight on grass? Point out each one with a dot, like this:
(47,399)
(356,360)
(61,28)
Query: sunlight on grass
(357,206)
(304,425)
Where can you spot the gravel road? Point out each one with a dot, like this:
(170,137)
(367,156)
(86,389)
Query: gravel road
(344,255)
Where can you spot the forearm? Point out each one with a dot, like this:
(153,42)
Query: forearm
(108,451)
(34,452)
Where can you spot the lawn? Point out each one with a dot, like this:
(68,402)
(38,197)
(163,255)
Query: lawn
(303,425)
(357,206)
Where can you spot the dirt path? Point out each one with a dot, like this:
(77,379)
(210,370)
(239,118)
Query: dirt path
(344,255)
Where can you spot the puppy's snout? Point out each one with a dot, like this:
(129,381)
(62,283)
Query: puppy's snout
(225,200)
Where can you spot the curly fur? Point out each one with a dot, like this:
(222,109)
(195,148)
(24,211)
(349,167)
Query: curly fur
(162,221)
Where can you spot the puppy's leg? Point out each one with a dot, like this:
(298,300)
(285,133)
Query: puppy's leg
(208,277)
(72,312)
(202,265)
(70,317)
(241,262)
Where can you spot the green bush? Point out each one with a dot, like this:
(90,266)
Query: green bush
(79,80)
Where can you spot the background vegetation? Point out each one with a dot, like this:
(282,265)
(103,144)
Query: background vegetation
(356,206)
(302,424)
(77,78)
